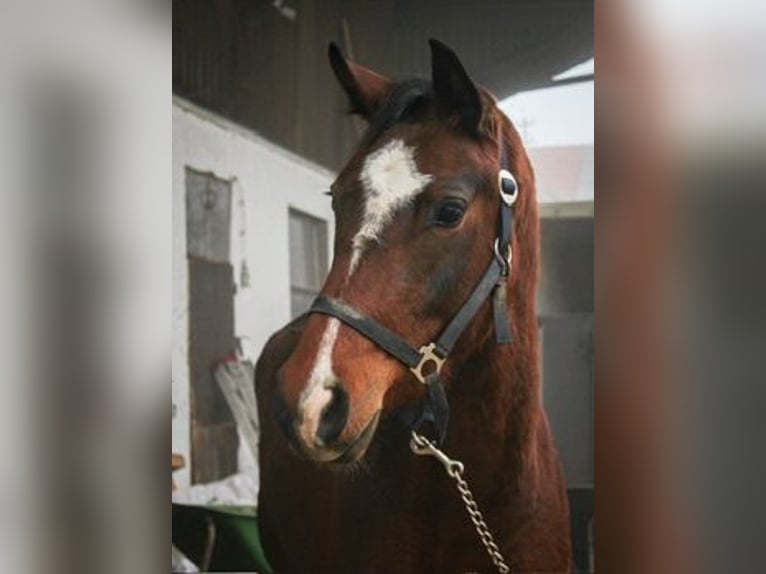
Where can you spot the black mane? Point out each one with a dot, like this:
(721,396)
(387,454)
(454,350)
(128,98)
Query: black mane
(408,101)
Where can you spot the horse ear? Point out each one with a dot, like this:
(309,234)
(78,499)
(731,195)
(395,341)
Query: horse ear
(454,91)
(365,89)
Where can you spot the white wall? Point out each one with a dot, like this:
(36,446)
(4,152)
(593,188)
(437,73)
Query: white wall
(268,180)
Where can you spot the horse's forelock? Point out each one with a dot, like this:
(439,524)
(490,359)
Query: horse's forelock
(403,101)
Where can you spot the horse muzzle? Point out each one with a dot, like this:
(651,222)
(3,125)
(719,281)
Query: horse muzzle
(319,428)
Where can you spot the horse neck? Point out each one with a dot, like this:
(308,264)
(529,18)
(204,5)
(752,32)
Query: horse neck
(494,389)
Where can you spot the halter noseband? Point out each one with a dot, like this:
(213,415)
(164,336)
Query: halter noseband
(435,408)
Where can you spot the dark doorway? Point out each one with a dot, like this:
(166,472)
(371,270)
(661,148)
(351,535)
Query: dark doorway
(211,324)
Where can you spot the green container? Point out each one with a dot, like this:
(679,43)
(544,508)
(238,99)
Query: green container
(224,536)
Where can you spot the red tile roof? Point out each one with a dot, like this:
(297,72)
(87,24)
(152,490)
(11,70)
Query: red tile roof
(563,173)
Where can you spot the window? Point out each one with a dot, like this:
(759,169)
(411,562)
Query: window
(308,260)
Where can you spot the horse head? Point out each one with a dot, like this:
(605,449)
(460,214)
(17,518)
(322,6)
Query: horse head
(416,212)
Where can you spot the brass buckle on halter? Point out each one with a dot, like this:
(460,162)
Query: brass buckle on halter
(427,355)
(504,260)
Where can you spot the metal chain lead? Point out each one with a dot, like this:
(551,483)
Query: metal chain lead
(422,446)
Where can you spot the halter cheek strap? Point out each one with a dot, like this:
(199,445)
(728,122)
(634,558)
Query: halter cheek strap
(426,362)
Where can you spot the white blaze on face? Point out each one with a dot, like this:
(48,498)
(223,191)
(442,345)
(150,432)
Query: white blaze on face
(318,393)
(390,179)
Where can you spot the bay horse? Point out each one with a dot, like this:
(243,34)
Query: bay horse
(436,198)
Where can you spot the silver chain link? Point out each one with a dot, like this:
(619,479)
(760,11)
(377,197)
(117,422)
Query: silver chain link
(422,446)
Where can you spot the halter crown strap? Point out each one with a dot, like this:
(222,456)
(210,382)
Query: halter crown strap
(509,191)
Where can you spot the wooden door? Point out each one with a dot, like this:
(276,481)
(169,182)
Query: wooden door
(211,324)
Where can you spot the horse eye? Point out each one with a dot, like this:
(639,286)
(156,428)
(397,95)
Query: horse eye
(449,214)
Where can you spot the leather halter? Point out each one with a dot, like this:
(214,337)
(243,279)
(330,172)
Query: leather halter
(431,357)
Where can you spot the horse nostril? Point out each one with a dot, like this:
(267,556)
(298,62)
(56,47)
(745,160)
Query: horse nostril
(334,417)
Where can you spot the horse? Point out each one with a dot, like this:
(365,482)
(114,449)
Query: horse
(436,235)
